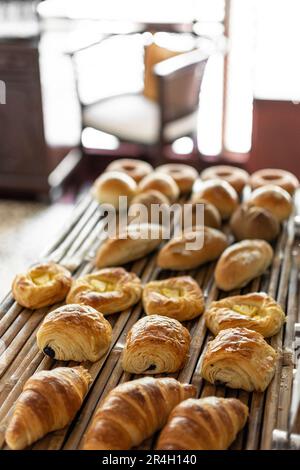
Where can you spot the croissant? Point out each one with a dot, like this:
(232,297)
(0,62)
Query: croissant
(239,358)
(210,423)
(109,290)
(156,344)
(74,333)
(133,411)
(49,401)
(256,311)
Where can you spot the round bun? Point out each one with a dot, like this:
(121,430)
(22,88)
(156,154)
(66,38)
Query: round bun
(183,175)
(211,214)
(282,178)
(160,182)
(254,222)
(137,169)
(149,197)
(111,185)
(235,176)
(274,199)
(219,193)
(141,205)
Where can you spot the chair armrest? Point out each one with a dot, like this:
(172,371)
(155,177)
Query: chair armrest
(171,66)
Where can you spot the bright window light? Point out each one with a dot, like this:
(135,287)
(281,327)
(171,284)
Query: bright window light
(183,146)
(93,139)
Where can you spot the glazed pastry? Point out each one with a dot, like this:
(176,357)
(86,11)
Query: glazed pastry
(184,175)
(44,284)
(210,423)
(235,176)
(49,401)
(256,311)
(177,297)
(137,169)
(283,179)
(177,255)
(109,290)
(274,199)
(242,262)
(160,182)
(142,206)
(211,214)
(108,188)
(219,193)
(239,358)
(118,251)
(134,411)
(154,345)
(249,222)
(74,333)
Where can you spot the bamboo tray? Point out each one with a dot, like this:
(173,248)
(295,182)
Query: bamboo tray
(20,358)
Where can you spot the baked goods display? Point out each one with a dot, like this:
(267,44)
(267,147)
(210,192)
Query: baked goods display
(160,182)
(44,284)
(176,297)
(242,262)
(237,177)
(282,178)
(184,175)
(108,188)
(133,411)
(137,169)
(219,193)
(176,254)
(239,358)
(109,290)
(211,215)
(273,198)
(49,401)
(74,333)
(251,222)
(156,345)
(256,311)
(129,246)
(211,423)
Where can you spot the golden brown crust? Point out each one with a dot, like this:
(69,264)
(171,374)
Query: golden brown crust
(177,297)
(49,401)
(282,178)
(254,222)
(184,175)
(256,311)
(118,251)
(210,423)
(242,262)
(239,358)
(44,284)
(111,185)
(211,214)
(274,199)
(175,255)
(74,333)
(137,169)
(134,411)
(219,193)
(154,345)
(109,290)
(160,182)
(237,177)
(141,206)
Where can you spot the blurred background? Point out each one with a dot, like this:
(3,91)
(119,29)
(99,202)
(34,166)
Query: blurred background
(83,82)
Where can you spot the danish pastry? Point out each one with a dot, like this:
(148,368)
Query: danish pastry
(210,423)
(184,175)
(160,182)
(256,311)
(108,188)
(219,193)
(49,401)
(74,333)
(274,199)
(211,214)
(133,411)
(282,178)
(154,345)
(177,297)
(242,262)
(43,285)
(129,246)
(239,358)
(137,169)
(177,255)
(109,290)
(254,222)
(235,176)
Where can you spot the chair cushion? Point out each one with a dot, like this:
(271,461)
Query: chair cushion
(135,118)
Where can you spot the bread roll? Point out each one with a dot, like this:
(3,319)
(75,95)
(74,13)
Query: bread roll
(254,223)
(237,177)
(137,169)
(274,199)
(111,185)
(242,262)
(160,182)
(219,193)
(141,207)
(282,178)
(184,175)
(211,214)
